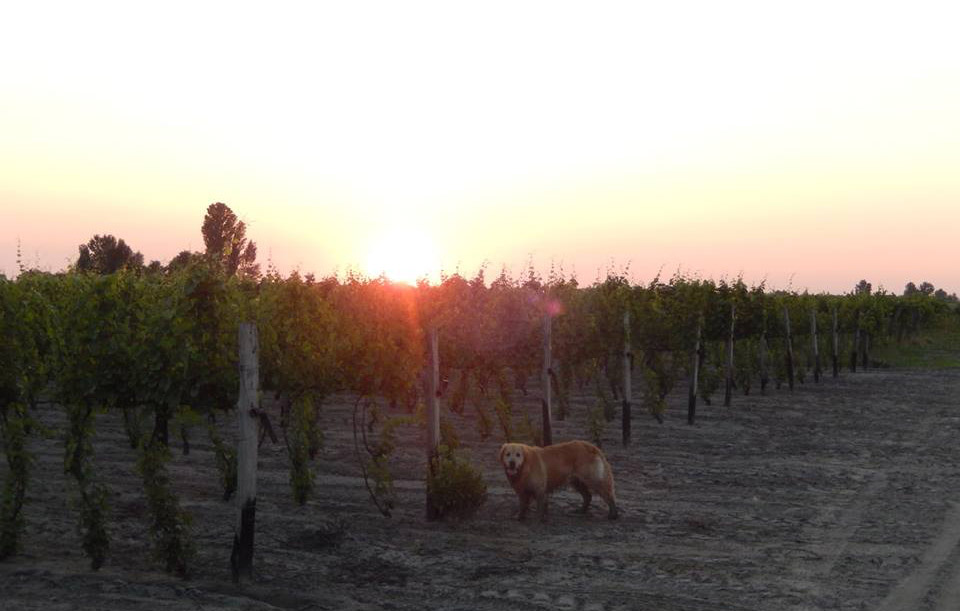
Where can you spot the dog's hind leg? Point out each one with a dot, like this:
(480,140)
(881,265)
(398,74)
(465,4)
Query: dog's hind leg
(584,491)
(613,513)
(606,492)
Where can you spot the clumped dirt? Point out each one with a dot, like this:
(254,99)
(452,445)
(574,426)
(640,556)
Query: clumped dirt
(842,495)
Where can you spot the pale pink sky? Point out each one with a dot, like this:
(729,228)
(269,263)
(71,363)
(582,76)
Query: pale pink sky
(811,146)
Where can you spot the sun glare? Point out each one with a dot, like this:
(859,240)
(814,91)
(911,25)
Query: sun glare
(403,255)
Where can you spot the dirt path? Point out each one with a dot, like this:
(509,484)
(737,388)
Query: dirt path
(844,495)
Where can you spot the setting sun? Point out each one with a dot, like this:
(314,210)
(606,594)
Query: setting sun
(496,273)
(402,255)
(751,138)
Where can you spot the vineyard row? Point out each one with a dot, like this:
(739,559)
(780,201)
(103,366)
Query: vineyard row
(161,349)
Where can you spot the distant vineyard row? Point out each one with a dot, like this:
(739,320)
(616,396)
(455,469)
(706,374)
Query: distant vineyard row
(160,348)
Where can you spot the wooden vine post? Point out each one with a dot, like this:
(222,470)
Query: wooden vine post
(694,375)
(547,364)
(728,365)
(856,345)
(815,345)
(248,417)
(764,363)
(433,411)
(627,382)
(789,344)
(865,354)
(835,348)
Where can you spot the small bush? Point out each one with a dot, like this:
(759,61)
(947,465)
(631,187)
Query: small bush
(455,487)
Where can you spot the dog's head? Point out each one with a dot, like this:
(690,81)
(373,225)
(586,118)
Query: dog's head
(512,456)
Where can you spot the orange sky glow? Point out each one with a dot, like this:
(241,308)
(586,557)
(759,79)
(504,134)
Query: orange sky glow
(808,145)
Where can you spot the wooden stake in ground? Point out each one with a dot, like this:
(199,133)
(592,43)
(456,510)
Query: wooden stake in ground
(545,382)
(865,362)
(816,345)
(627,382)
(764,364)
(835,350)
(694,375)
(856,346)
(241,559)
(789,344)
(433,410)
(728,366)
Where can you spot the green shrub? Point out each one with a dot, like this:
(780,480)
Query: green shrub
(455,487)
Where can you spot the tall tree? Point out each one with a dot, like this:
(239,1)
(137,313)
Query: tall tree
(183,259)
(106,254)
(225,238)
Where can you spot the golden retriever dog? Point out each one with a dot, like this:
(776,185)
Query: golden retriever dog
(536,472)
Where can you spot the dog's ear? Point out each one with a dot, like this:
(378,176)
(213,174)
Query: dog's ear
(503,449)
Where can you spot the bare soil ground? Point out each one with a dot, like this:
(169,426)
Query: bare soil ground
(842,495)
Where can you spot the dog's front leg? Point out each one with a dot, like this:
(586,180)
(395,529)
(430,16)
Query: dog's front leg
(542,506)
(524,505)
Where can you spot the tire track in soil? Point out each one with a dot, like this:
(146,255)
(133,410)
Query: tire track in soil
(830,547)
(577,599)
(911,591)
(949,599)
